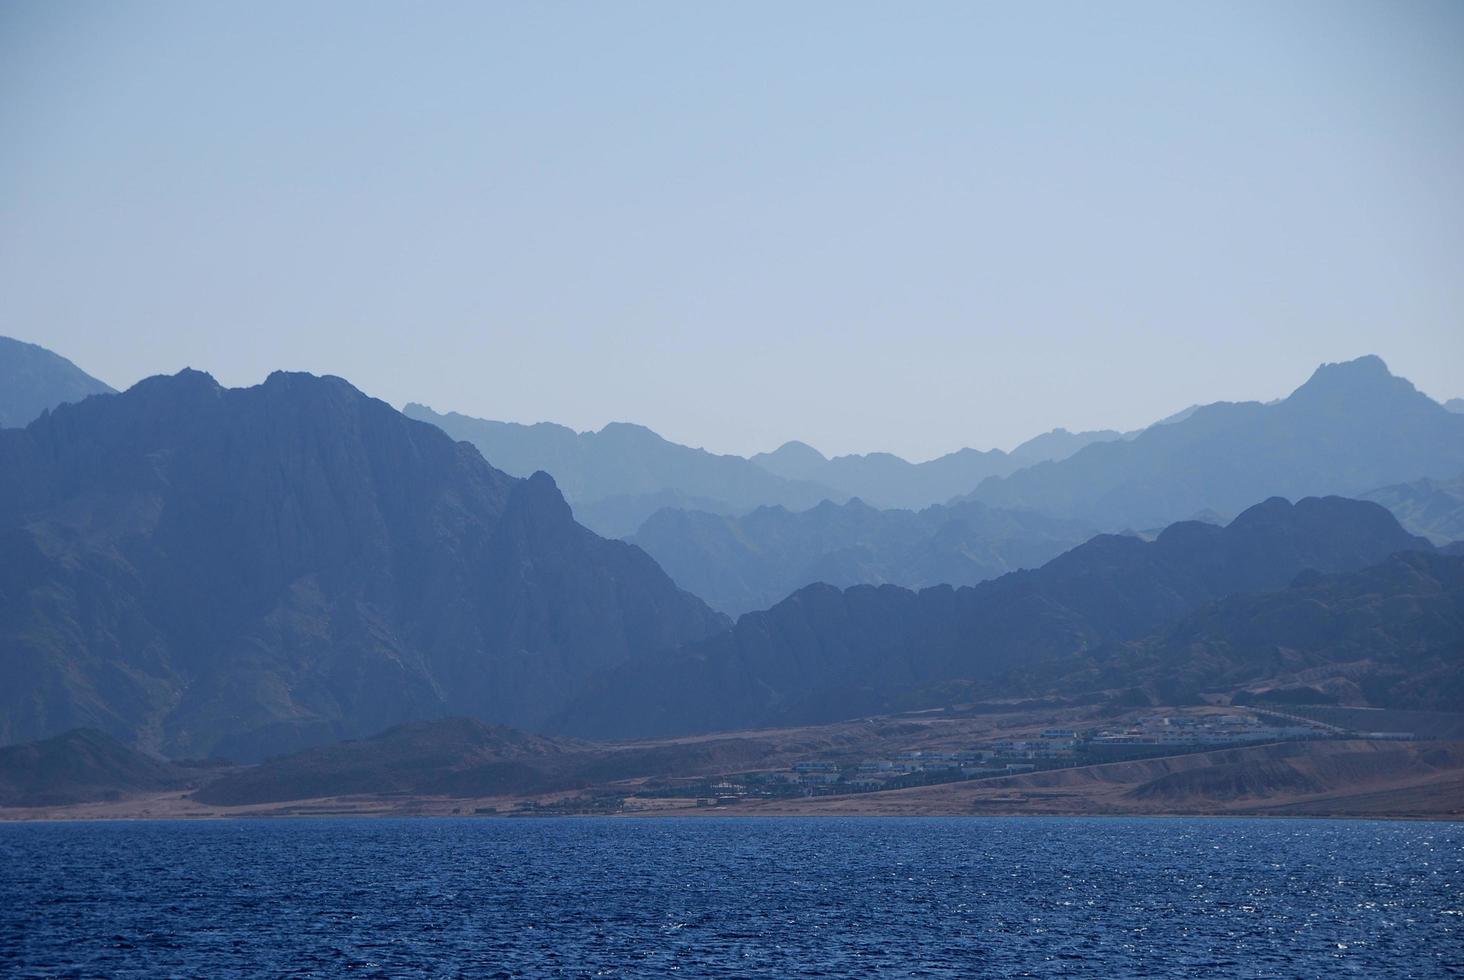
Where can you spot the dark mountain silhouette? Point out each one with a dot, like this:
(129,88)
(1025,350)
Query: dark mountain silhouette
(738,564)
(1390,636)
(1433,508)
(1351,428)
(34,380)
(81,766)
(619,476)
(240,572)
(824,653)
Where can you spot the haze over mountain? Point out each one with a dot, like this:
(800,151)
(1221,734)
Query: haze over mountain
(887,480)
(1351,428)
(738,564)
(617,477)
(1060,443)
(824,653)
(1432,508)
(239,572)
(33,380)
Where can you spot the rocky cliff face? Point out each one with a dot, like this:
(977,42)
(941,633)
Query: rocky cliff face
(246,571)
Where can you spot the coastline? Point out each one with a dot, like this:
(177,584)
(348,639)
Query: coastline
(1355,779)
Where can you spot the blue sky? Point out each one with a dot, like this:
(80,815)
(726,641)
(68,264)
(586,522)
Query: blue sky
(905,227)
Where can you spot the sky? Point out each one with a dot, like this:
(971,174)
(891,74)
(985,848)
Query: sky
(897,227)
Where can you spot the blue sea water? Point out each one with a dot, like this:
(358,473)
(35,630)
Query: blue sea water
(958,897)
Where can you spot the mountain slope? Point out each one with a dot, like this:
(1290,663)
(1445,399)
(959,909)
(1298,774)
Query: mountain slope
(823,653)
(244,571)
(1351,428)
(33,380)
(1390,635)
(619,476)
(885,479)
(738,564)
(81,766)
(1060,444)
(1433,508)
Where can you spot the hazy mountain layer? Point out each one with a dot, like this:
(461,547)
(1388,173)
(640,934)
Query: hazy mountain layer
(1433,508)
(824,653)
(1351,428)
(243,571)
(33,380)
(619,476)
(1060,444)
(738,564)
(885,479)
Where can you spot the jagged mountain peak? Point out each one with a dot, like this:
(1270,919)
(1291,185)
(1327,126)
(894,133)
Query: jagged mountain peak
(1361,378)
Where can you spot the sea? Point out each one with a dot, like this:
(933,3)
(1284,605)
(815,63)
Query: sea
(730,897)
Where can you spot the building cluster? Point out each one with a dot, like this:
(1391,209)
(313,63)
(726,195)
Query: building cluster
(1050,749)
(1202,730)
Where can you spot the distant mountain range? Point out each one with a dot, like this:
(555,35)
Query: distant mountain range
(1351,428)
(739,564)
(824,653)
(617,477)
(888,481)
(34,380)
(241,572)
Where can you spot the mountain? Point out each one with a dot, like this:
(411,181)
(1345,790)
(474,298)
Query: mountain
(81,766)
(1390,636)
(619,476)
(241,572)
(459,756)
(1432,508)
(825,653)
(1351,428)
(738,564)
(886,479)
(34,380)
(1455,405)
(1060,444)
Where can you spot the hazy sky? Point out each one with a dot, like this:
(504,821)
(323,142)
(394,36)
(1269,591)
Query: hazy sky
(909,227)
